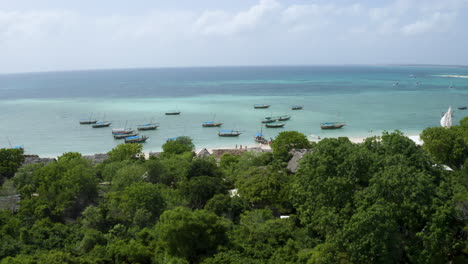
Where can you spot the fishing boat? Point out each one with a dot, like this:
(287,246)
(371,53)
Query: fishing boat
(261,106)
(211,124)
(122,131)
(87,121)
(136,139)
(149,126)
(121,136)
(101,124)
(229,133)
(446,120)
(284,118)
(275,125)
(332,125)
(462,107)
(173,113)
(297,107)
(269,120)
(259,138)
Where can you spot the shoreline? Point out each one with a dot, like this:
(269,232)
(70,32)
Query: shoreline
(313,138)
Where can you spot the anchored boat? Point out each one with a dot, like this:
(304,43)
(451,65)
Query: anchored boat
(259,138)
(332,125)
(275,125)
(297,107)
(136,139)
(261,106)
(284,118)
(121,136)
(211,124)
(446,120)
(149,126)
(173,113)
(101,124)
(229,133)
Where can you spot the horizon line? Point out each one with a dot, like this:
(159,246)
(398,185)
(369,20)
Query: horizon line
(237,66)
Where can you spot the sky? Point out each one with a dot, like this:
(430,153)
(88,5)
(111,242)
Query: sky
(57,35)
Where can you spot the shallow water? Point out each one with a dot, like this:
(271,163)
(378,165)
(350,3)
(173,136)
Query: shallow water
(41,110)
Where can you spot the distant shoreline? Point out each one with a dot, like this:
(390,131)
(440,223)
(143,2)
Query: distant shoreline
(353,139)
(235,66)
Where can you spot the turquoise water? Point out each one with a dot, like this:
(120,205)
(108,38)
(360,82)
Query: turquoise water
(41,111)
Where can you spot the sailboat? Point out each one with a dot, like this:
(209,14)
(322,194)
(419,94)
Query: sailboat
(446,120)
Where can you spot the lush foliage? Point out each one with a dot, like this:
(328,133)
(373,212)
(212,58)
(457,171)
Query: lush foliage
(10,161)
(386,200)
(288,140)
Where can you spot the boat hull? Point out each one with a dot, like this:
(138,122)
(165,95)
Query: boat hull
(148,128)
(136,140)
(332,126)
(212,125)
(88,122)
(229,134)
(122,136)
(261,106)
(173,113)
(274,126)
(101,125)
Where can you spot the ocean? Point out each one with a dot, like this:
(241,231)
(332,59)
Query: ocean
(41,111)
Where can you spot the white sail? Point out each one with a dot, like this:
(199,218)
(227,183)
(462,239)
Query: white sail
(446,120)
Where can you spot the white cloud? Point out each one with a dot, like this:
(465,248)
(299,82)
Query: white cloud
(435,22)
(266,26)
(223,23)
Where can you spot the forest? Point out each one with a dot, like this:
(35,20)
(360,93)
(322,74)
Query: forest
(386,200)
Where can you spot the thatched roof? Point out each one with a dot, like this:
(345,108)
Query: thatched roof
(203,153)
(298,154)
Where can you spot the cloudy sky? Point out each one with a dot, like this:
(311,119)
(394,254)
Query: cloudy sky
(47,35)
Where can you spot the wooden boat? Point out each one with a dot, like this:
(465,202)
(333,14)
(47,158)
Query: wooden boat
(122,136)
(136,139)
(229,133)
(261,106)
(259,138)
(149,126)
(101,124)
(275,125)
(284,118)
(122,131)
(297,107)
(211,124)
(462,107)
(173,113)
(87,122)
(332,125)
(269,120)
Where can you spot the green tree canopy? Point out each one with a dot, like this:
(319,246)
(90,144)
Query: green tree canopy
(191,235)
(447,146)
(126,152)
(178,146)
(10,161)
(286,141)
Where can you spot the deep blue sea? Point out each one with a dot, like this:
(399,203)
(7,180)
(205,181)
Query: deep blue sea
(41,111)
